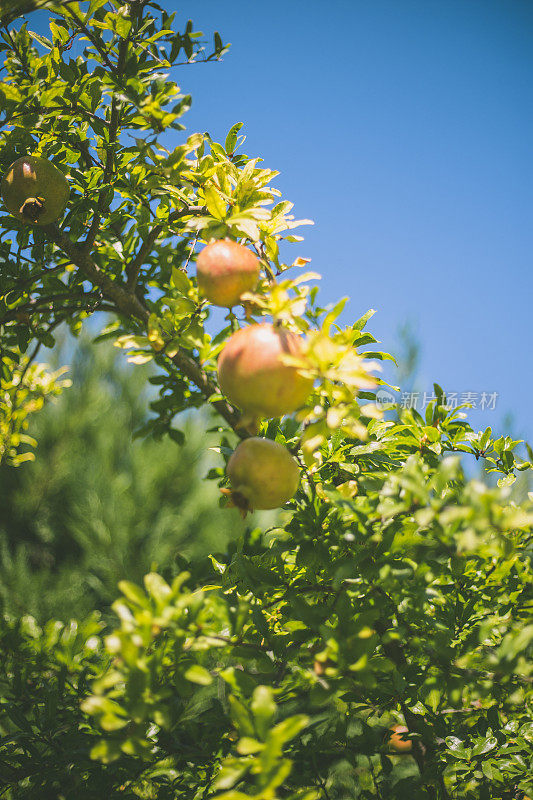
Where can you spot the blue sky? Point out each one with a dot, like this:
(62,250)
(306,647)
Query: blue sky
(404,128)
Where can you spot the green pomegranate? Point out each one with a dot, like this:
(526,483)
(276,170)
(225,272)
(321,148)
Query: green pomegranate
(226,270)
(251,372)
(263,475)
(35,191)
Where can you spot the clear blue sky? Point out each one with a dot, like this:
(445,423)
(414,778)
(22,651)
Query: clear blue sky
(404,128)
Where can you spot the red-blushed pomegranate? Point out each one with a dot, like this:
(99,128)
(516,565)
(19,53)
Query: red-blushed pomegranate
(397,742)
(263,474)
(251,372)
(225,270)
(35,191)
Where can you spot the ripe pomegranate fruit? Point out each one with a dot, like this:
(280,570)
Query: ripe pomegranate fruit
(35,191)
(263,475)
(397,742)
(252,375)
(225,270)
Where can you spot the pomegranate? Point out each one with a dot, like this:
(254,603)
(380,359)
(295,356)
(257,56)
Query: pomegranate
(225,270)
(397,741)
(35,191)
(263,475)
(252,375)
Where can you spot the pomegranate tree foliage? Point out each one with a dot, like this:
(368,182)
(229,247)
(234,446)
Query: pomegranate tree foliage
(393,590)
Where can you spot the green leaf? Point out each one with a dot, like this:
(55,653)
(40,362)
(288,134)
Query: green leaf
(216,205)
(106,751)
(134,593)
(232,770)
(241,716)
(181,281)
(231,138)
(263,708)
(361,322)
(285,731)
(198,674)
(157,587)
(491,771)
(508,480)
(247,746)
(484,746)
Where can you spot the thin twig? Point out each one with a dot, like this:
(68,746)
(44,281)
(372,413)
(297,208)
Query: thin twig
(191,251)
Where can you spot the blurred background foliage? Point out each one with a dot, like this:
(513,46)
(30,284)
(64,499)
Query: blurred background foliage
(98,505)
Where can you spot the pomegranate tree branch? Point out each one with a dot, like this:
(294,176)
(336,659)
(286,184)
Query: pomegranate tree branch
(129,305)
(126,303)
(59,109)
(55,305)
(93,39)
